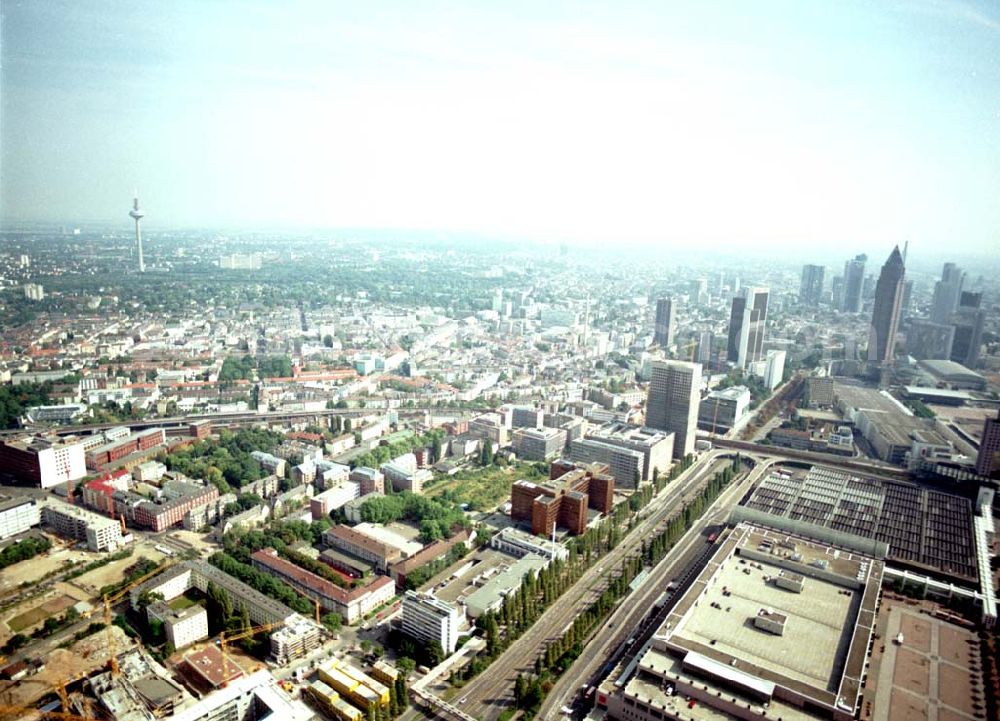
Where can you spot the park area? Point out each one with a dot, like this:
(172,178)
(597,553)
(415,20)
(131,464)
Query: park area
(483,489)
(39,613)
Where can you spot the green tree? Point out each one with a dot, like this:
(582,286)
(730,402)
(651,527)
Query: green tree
(332,621)
(486,453)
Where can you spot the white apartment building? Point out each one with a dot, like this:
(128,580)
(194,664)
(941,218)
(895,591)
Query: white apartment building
(295,639)
(44,461)
(17,515)
(100,532)
(182,627)
(429,619)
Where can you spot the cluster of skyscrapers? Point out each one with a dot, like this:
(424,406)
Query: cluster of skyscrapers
(952,330)
(955,327)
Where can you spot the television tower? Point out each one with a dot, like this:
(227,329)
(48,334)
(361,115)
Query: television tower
(136,215)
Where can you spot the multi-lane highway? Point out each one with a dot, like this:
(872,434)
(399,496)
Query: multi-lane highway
(637,618)
(490,693)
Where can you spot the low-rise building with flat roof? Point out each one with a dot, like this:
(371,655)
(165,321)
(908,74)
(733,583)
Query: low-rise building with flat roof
(345,538)
(490,595)
(738,644)
(519,544)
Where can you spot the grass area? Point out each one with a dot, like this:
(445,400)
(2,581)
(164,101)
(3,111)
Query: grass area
(28,619)
(182,602)
(484,488)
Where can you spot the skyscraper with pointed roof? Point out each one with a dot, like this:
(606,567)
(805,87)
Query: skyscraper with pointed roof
(886,311)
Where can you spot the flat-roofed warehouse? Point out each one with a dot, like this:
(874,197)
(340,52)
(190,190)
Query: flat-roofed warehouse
(926,530)
(741,643)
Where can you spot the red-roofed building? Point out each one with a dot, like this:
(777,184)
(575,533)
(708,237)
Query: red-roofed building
(303,436)
(351,603)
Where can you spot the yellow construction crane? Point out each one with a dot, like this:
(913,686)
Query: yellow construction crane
(60,687)
(111,599)
(692,346)
(224,639)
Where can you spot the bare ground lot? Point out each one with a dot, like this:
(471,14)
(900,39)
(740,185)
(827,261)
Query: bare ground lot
(33,569)
(199,541)
(93,581)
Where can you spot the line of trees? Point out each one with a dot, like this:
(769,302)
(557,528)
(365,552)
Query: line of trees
(523,607)
(28,548)
(263,582)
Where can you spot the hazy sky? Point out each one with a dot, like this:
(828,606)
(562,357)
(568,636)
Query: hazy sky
(790,122)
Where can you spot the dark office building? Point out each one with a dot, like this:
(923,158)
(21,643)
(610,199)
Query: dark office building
(663,332)
(885,313)
(811,289)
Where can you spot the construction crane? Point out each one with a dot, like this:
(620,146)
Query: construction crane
(110,599)
(223,639)
(60,688)
(22,712)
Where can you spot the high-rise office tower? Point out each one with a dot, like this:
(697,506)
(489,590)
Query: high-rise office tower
(698,290)
(705,341)
(885,313)
(854,283)
(746,326)
(672,403)
(927,340)
(988,459)
(867,290)
(663,331)
(811,289)
(907,297)
(968,322)
(947,293)
(837,292)
(137,216)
